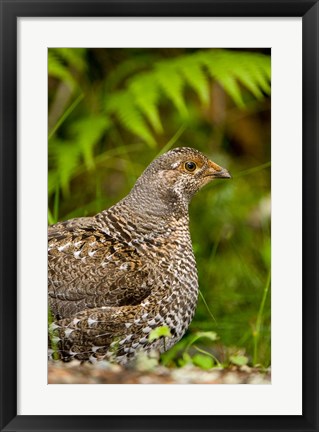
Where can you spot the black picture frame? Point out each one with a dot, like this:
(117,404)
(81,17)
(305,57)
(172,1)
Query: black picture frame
(10,11)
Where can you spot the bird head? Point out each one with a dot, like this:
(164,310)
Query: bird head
(173,178)
(184,171)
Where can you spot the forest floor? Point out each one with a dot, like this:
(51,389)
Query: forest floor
(107,373)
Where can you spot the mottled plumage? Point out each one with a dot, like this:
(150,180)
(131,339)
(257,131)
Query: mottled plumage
(114,277)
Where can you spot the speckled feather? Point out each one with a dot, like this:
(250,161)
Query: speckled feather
(114,277)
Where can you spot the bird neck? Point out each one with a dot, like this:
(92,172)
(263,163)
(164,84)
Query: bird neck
(156,203)
(137,218)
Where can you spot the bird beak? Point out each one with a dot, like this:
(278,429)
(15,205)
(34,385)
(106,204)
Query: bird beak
(217,171)
(223,173)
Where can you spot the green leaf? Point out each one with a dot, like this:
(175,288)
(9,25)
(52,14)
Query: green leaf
(66,155)
(239,360)
(88,132)
(203,361)
(58,70)
(53,181)
(232,88)
(186,359)
(122,105)
(72,56)
(172,85)
(247,78)
(64,116)
(123,70)
(146,95)
(159,332)
(137,105)
(199,335)
(196,78)
(211,335)
(231,67)
(262,75)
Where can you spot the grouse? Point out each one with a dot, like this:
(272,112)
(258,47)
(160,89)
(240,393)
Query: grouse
(116,276)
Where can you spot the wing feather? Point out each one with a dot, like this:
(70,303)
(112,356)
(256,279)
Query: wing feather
(88,269)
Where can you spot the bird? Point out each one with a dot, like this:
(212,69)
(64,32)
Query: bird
(115,277)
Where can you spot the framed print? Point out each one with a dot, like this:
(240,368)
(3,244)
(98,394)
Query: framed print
(51,50)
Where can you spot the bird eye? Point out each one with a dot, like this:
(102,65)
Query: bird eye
(190,166)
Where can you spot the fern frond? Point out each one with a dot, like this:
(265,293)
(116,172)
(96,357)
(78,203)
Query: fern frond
(195,77)
(262,74)
(242,73)
(146,95)
(124,70)
(231,87)
(229,68)
(71,56)
(172,84)
(88,131)
(53,180)
(66,156)
(136,106)
(234,70)
(58,70)
(122,105)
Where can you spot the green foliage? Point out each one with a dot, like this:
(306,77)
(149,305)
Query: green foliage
(203,361)
(87,132)
(58,70)
(112,111)
(136,106)
(202,358)
(52,337)
(159,332)
(168,79)
(238,360)
(251,70)
(122,106)
(65,63)
(212,336)
(181,354)
(260,317)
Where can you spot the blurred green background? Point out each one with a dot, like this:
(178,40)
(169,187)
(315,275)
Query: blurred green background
(112,111)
